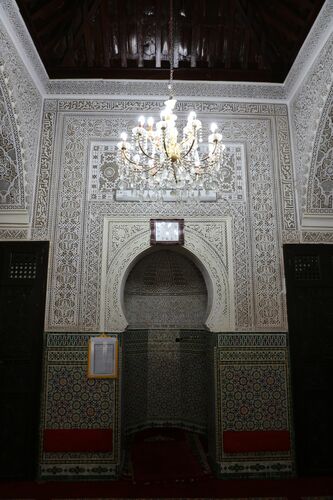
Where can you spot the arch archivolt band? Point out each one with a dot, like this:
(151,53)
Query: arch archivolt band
(207,241)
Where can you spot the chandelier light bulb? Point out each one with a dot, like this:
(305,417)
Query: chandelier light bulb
(170,104)
(192,116)
(160,157)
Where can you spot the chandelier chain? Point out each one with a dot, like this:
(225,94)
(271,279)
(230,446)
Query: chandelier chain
(161,158)
(171,49)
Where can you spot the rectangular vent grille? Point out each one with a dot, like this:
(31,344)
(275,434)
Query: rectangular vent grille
(23,266)
(306,267)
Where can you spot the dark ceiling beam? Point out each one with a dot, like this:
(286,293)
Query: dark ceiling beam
(139,34)
(195,33)
(264,39)
(106,35)
(88,35)
(158,29)
(308,4)
(286,14)
(227,35)
(260,41)
(163,74)
(47,9)
(122,33)
(57,19)
(246,45)
(286,32)
(81,31)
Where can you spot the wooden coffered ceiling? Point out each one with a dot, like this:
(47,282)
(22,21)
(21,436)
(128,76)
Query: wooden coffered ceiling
(234,40)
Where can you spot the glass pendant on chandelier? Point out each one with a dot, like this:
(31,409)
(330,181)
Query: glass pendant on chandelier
(158,159)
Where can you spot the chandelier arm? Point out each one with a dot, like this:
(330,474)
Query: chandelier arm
(127,158)
(142,169)
(165,147)
(174,173)
(212,153)
(144,152)
(188,151)
(184,141)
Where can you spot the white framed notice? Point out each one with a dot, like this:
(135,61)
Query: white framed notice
(167,231)
(103,357)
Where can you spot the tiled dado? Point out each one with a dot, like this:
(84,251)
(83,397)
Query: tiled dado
(77,411)
(253,421)
(252,425)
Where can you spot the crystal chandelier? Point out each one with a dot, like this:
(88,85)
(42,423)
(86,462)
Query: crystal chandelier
(157,158)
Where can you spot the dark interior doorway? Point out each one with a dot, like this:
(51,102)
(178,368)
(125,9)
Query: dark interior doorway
(23,274)
(309,280)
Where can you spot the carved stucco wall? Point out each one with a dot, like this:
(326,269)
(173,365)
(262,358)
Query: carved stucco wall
(208,241)
(74,199)
(20,115)
(72,203)
(320,184)
(311,117)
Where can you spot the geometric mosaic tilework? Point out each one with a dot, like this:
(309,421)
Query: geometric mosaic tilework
(252,340)
(165,380)
(256,468)
(252,394)
(69,339)
(253,397)
(72,401)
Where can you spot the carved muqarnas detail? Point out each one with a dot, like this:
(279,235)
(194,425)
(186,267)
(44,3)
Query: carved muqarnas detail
(320,184)
(9,174)
(324,174)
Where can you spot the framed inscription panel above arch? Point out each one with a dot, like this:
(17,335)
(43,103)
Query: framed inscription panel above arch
(209,241)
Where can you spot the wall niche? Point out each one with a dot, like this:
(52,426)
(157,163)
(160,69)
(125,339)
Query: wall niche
(165,289)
